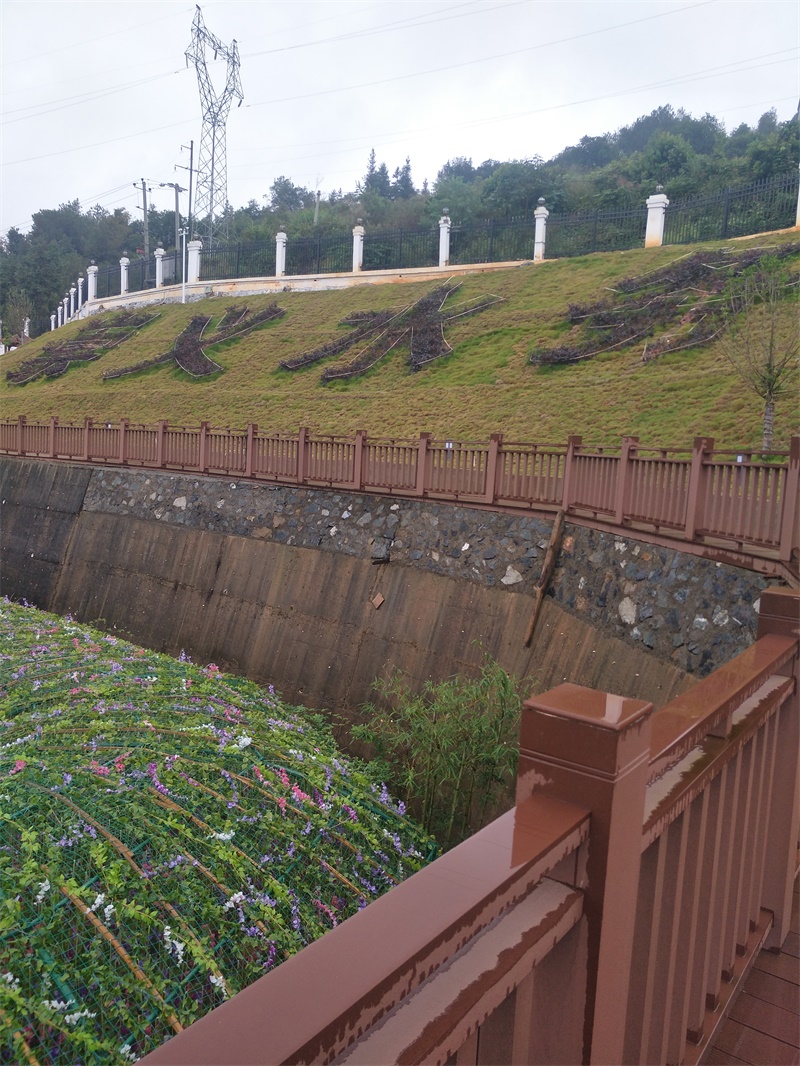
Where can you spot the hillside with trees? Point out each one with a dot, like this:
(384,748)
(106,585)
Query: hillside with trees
(688,156)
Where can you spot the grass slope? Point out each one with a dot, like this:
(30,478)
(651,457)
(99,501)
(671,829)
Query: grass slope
(487,385)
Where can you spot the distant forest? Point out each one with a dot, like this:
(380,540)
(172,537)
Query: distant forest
(688,156)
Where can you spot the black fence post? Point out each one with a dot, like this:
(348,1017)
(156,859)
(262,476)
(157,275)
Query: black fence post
(726,208)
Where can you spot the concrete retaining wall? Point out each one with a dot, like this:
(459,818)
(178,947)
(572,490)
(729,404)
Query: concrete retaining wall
(319,592)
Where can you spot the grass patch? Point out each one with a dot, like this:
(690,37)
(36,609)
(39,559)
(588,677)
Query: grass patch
(485,386)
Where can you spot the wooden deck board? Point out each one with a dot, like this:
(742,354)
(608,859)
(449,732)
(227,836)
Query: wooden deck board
(766,1018)
(773,989)
(763,1027)
(784,966)
(754,1047)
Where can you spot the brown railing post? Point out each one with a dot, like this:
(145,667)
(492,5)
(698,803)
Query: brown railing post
(51,438)
(252,431)
(87,428)
(697,482)
(21,435)
(779,612)
(160,440)
(593,749)
(573,444)
(302,444)
(495,443)
(789,503)
(422,463)
(358,459)
(623,470)
(202,448)
(123,440)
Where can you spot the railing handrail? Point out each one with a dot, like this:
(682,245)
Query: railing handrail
(685,721)
(351,977)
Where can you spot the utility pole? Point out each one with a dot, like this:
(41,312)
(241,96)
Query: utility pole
(145,191)
(174,185)
(190,168)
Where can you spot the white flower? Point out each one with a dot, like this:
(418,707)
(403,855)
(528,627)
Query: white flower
(44,888)
(11,981)
(70,1019)
(57,1004)
(244,742)
(219,982)
(174,947)
(224,836)
(98,901)
(108,912)
(237,897)
(126,1053)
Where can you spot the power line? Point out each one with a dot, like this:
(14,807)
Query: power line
(90,40)
(482,59)
(370,138)
(83,98)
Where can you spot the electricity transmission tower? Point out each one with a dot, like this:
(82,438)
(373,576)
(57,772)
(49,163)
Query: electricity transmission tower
(211,189)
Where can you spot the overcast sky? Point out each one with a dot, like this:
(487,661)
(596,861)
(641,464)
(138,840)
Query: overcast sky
(96,95)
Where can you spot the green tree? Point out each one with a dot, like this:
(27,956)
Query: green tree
(16,308)
(402,185)
(760,337)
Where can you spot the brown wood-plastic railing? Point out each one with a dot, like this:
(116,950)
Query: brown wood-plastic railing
(741,502)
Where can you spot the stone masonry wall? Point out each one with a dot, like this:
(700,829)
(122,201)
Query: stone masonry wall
(688,611)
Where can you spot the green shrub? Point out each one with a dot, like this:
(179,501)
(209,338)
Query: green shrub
(450,749)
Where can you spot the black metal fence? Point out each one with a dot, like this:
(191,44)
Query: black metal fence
(401,249)
(764,205)
(108,281)
(254,260)
(756,208)
(492,242)
(319,255)
(595,231)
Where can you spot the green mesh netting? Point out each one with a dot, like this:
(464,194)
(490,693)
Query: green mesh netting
(167,836)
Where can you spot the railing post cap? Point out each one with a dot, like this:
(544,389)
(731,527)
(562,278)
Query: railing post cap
(591,733)
(601,709)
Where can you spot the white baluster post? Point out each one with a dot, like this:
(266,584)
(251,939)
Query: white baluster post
(26,329)
(540,231)
(91,284)
(444,239)
(72,292)
(60,315)
(193,269)
(52,322)
(80,292)
(123,274)
(65,305)
(656,216)
(280,254)
(358,247)
(159,253)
